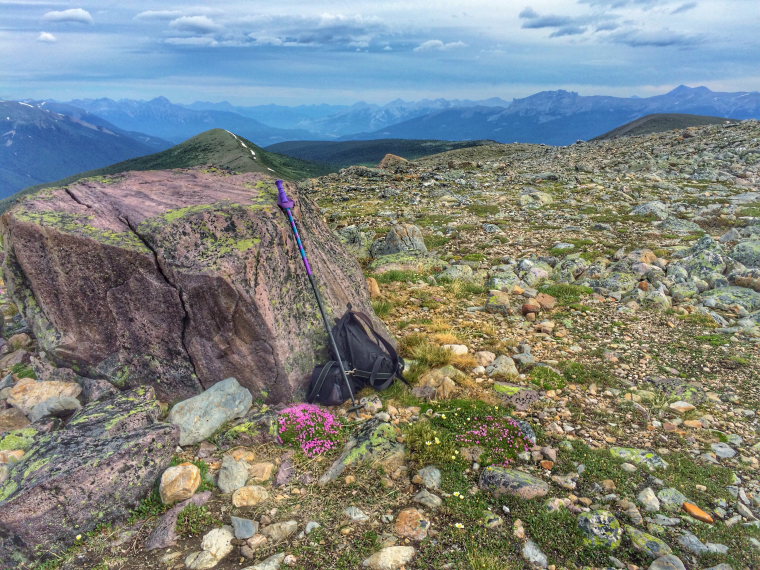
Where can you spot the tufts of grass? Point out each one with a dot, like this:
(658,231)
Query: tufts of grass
(151,506)
(398,275)
(713,339)
(435,241)
(195,519)
(579,373)
(547,378)
(483,209)
(382,307)
(700,319)
(567,293)
(22,370)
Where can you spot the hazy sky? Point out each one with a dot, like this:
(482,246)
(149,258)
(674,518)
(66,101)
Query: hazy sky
(305,51)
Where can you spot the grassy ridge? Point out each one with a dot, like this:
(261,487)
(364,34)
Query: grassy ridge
(371,152)
(216,147)
(660,122)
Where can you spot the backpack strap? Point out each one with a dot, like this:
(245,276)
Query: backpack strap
(317,387)
(388,346)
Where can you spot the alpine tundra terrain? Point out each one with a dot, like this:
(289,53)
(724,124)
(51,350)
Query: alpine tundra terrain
(581,329)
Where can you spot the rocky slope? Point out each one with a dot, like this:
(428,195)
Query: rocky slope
(581,325)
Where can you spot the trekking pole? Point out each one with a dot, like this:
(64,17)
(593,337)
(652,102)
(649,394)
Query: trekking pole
(287,204)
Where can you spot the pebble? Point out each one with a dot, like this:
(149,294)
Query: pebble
(179,483)
(390,558)
(533,555)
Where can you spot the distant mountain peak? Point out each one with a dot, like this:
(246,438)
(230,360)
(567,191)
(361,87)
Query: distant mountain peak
(686,90)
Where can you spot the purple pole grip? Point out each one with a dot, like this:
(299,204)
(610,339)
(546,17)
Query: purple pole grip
(283,200)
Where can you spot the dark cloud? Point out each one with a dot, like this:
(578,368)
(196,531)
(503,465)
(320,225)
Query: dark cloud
(684,8)
(551,21)
(653,38)
(566,25)
(568,31)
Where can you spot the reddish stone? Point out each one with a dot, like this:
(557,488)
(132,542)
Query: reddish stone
(411,523)
(546,301)
(531,306)
(697,513)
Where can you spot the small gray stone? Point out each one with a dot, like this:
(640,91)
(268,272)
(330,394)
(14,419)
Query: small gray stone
(601,528)
(200,416)
(500,481)
(272,563)
(280,531)
(244,528)
(649,500)
(431,477)
(691,543)
(533,555)
(723,566)
(232,475)
(502,367)
(669,562)
(428,499)
(744,511)
(671,499)
(311,526)
(646,543)
(723,450)
(390,558)
(355,514)
(57,407)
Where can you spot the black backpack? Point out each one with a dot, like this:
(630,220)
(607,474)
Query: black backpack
(368,359)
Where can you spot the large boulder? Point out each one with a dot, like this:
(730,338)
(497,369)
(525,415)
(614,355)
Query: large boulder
(92,472)
(177,279)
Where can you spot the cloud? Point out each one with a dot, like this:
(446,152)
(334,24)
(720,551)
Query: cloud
(438,45)
(534,21)
(196,25)
(653,38)
(158,15)
(46,38)
(197,41)
(568,31)
(73,15)
(684,8)
(622,3)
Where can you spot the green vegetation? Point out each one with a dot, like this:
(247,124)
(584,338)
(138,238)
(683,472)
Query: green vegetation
(565,293)
(382,307)
(579,373)
(348,153)
(22,370)
(195,519)
(547,379)
(398,275)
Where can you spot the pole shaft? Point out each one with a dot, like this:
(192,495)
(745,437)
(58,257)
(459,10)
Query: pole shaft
(318,297)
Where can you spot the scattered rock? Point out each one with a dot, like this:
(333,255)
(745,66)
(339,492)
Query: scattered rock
(90,473)
(390,558)
(249,496)
(502,481)
(278,532)
(411,523)
(200,416)
(179,483)
(601,528)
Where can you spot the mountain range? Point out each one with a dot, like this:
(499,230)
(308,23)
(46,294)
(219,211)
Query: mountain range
(48,140)
(40,142)
(549,117)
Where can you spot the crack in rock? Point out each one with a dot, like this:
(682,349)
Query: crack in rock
(185,312)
